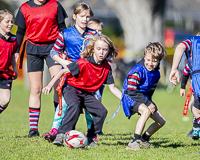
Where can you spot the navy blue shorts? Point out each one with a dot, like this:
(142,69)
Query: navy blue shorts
(135,107)
(36,62)
(6,83)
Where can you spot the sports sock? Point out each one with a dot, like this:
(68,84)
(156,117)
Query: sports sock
(2,109)
(145,137)
(136,136)
(55,104)
(34,114)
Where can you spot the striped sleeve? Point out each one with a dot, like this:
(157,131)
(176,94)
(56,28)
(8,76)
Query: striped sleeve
(133,81)
(59,44)
(186,70)
(153,88)
(187,44)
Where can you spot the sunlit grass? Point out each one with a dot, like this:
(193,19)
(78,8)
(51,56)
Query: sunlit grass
(170,142)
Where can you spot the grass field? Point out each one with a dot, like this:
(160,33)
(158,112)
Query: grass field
(169,143)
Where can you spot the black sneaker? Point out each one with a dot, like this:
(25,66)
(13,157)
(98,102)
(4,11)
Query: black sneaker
(33,133)
(59,139)
(100,133)
(91,143)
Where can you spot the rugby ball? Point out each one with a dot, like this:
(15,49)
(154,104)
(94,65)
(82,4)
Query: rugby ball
(75,139)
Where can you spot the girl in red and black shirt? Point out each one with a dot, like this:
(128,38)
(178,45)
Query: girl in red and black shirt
(8,46)
(41,20)
(83,78)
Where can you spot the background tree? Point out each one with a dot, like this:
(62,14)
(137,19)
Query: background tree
(142,22)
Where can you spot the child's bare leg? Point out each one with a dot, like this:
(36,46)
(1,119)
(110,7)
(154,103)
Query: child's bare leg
(159,122)
(145,113)
(196,112)
(5,99)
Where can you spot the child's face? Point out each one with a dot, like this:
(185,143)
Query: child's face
(149,62)
(96,27)
(6,24)
(101,50)
(82,19)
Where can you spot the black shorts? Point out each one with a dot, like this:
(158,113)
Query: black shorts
(6,83)
(135,107)
(196,102)
(36,62)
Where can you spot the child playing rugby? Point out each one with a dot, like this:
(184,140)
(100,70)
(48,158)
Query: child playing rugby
(85,76)
(94,27)
(187,47)
(8,46)
(139,87)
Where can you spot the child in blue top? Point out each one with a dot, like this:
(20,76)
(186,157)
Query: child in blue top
(139,87)
(186,47)
(194,133)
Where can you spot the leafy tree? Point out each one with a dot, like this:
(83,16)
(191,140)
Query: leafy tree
(141,20)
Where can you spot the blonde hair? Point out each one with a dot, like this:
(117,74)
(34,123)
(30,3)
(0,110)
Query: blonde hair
(89,49)
(80,7)
(95,20)
(3,13)
(156,49)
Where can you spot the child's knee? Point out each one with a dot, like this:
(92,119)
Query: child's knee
(5,101)
(146,112)
(104,112)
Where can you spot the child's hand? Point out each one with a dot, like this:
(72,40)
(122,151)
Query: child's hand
(16,75)
(46,90)
(182,92)
(152,108)
(16,57)
(174,77)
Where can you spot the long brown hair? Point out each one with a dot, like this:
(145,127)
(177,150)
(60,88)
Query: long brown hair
(89,49)
(80,7)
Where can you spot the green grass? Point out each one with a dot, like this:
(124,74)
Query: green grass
(169,142)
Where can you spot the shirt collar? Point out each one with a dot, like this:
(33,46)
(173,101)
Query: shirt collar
(91,60)
(4,38)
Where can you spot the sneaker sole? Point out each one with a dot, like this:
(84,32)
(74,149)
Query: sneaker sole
(129,148)
(57,143)
(46,137)
(29,136)
(195,137)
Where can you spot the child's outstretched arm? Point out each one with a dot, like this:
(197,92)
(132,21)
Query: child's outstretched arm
(114,90)
(47,89)
(63,62)
(174,75)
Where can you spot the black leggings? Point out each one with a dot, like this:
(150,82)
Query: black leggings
(75,102)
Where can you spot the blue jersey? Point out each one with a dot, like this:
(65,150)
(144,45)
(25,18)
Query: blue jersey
(143,82)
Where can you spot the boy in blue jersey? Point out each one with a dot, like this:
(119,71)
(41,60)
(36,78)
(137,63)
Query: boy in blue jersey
(139,87)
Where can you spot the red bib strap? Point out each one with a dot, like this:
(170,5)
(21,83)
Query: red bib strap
(187,101)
